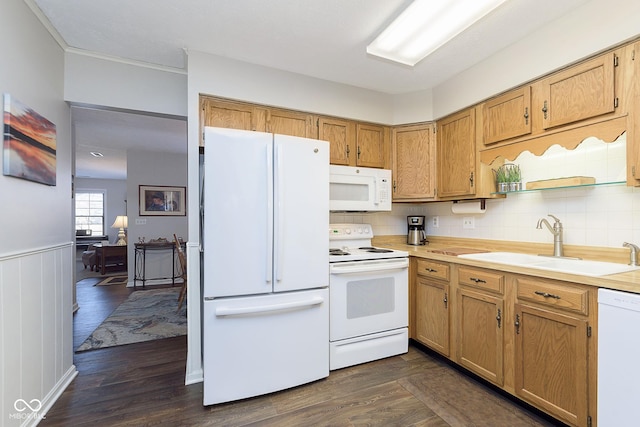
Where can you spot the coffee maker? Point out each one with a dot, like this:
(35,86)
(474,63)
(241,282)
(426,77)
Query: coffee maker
(416,234)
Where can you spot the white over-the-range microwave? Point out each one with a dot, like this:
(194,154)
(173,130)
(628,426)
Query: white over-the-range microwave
(356,189)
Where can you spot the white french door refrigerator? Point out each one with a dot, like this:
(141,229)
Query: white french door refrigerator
(266,263)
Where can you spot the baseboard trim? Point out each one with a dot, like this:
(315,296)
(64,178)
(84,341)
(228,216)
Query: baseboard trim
(56,392)
(194,377)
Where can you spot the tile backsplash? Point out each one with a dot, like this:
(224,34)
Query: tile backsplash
(606,215)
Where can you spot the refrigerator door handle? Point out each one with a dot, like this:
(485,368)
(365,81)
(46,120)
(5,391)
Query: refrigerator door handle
(279,213)
(267,308)
(269,181)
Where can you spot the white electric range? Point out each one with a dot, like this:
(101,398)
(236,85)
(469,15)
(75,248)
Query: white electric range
(368,288)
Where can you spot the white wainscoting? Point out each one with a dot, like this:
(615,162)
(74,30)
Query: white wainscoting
(36,331)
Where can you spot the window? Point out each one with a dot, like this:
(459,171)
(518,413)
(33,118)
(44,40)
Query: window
(90,212)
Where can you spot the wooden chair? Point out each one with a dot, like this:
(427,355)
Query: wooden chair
(183,268)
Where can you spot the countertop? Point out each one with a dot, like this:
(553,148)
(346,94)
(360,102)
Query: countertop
(445,249)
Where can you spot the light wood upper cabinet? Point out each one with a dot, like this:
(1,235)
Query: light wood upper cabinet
(456,150)
(341,135)
(371,144)
(414,162)
(580,92)
(294,123)
(232,115)
(507,116)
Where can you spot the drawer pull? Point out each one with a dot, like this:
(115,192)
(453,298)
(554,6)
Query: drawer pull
(547,295)
(473,279)
(431,270)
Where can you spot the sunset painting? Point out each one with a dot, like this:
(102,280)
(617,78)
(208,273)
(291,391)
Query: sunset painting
(29,144)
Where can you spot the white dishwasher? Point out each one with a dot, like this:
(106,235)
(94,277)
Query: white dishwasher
(618,358)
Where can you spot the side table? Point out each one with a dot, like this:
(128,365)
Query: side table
(140,271)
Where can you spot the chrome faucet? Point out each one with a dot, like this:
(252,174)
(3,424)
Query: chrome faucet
(634,253)
(556,230)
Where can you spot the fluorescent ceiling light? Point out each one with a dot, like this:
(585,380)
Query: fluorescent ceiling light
(425,26)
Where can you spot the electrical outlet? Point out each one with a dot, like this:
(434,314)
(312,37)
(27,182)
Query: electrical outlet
(435,221)
(468,222)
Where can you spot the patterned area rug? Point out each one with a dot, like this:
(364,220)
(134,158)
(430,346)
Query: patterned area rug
(144,316)
(114,280)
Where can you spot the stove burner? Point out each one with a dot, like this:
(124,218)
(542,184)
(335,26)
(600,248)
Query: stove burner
(375,250)
(337,252)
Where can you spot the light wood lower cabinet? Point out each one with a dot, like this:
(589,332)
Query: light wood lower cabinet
(432,316)
(533,337)
(480,323)
(432,305)
(552,331)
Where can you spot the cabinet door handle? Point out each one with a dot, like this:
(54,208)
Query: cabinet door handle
(526,115)
(358,152)
(547,294)
(394,186)
(473,279)
(517,324)
(471,179)
(445,300)
(348,151)
(545,109)
(499,318)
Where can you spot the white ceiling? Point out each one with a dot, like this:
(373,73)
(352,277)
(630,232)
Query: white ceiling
(319,38)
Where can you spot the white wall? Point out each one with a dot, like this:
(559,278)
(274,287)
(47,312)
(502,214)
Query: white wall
(215,75)
(97,81)
(596,26)
(115,196)
(36,237)
(157,169)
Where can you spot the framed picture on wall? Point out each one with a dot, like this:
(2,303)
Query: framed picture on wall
(162,200)
(29,147)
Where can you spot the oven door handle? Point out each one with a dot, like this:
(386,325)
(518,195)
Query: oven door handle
(369,266)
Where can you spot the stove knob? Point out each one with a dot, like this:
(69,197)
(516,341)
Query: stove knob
(347,230)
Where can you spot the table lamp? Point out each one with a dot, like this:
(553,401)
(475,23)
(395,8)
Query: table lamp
(121,223)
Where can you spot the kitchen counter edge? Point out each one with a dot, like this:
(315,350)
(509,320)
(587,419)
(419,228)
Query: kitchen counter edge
(629,281)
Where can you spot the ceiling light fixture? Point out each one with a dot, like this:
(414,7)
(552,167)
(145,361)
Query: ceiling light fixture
(96,154)
(426,25)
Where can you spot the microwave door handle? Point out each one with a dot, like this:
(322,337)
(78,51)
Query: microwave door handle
(376,200)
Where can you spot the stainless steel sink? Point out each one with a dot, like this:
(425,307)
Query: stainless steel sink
(564,265)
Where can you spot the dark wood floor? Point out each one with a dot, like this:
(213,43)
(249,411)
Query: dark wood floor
(143,384)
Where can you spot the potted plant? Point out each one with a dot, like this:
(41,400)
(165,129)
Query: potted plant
(514,177)
(502,183)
